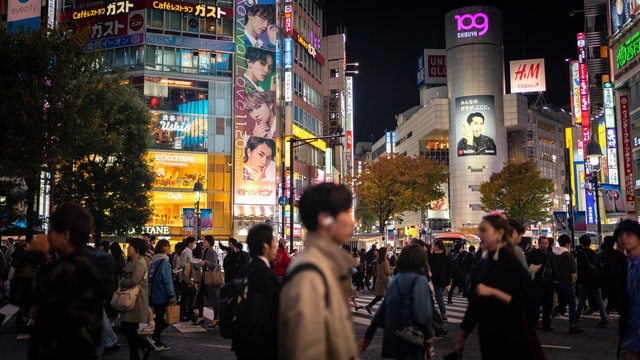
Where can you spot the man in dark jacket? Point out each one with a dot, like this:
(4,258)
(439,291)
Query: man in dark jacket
(71,292)
(542,282)
(628,236)
(564,270)
(611,260)
(257,338)
(588,285)
(235,259)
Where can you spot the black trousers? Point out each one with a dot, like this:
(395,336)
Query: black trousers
(543,297)
(134,340)
(187,300)
(161,324)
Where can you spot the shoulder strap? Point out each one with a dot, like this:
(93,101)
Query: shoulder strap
(304,267)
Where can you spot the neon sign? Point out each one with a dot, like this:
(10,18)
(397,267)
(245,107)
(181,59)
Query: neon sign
(472,25)
(628,51)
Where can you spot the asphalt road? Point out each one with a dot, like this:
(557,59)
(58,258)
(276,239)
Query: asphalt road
(195,342)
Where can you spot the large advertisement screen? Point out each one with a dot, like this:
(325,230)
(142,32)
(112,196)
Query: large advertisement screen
(621,13)
(255,85)
(475,125)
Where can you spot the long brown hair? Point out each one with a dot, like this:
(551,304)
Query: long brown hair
(382,254)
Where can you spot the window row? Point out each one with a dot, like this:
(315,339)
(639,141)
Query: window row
(168,21)
(306,121)
(307,92)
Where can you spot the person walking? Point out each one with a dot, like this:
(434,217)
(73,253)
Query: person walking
(498,298)
(542,282)
(282,259)
(383,272)
(457,257)
(162,292)
(588,285)
(627,234)
(564,270)
(407,284)
(187,287)
(258,329)
(136,274)
(68,292)
(209,262)
(611,260)
(440,274)
(314,319)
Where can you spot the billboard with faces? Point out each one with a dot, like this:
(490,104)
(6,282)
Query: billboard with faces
(255,124)
(475,125)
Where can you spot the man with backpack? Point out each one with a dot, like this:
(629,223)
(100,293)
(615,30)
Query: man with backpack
(542,282)
(588,285)
(256,315)
(315,319)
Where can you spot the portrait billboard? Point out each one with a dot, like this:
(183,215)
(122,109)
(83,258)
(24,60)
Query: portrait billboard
(620,14)
(475,125)
(255,122)
(612,199)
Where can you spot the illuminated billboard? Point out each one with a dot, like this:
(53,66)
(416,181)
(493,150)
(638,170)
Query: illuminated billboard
(431,68)
(620,14)
(255,123)
(23,15)
(475,125)
(527,76)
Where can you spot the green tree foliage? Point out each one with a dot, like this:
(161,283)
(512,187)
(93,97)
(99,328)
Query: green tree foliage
(518,191)
(392,185)
(110,174)
(59,109)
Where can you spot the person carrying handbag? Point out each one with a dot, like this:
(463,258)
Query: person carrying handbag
(209,262)
(135,273)
(162,293)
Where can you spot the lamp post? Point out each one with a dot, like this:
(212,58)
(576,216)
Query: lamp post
(294,143)
(593,155)
(198,189)
(567,201)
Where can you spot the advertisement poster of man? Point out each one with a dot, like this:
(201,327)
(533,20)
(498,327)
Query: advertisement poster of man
(260,28)
(476,131)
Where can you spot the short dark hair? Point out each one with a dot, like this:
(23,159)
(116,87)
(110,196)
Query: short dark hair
(259,234)
(324,197)
(516,225)
(585,240)
(209,239)
(475,114)
(472,248)
(609,241)
(139,244)
(564,239)
(188,240)
(412,258)
(74,218)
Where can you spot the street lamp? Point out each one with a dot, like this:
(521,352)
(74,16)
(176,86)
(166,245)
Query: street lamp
(567,201)
(593,154)
(198,189)
(294,143)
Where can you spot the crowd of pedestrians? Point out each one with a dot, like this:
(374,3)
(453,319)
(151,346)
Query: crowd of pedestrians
(298,306)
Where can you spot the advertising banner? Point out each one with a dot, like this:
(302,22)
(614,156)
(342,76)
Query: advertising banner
(627,156)
(255,122)
(620,14)
(612,199)
(527,76)
(560,220)
(23,15)
(475,125)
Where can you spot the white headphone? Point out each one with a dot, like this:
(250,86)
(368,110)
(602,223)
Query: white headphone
(328,221)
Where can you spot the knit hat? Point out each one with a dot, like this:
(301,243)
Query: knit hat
(628,225)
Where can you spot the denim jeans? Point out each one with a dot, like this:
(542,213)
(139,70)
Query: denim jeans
(109,337)
(586,291)
(566,296)
(439,295)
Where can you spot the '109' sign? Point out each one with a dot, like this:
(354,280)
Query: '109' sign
(472,25)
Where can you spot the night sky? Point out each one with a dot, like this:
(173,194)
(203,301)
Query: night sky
(386,41)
